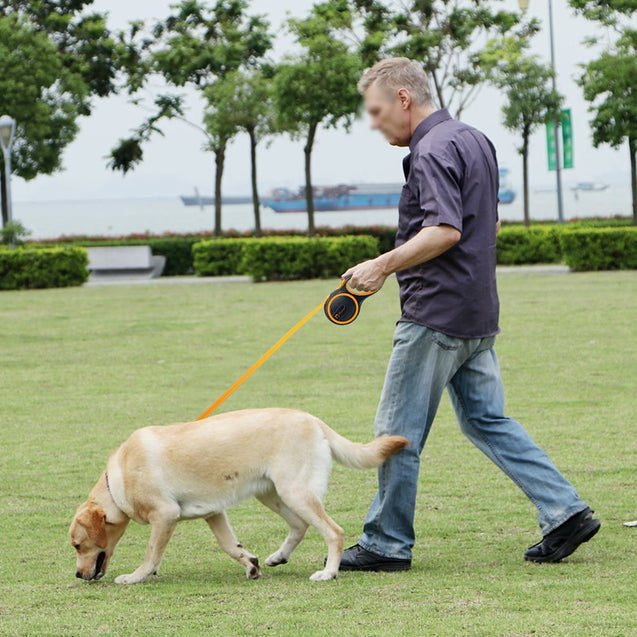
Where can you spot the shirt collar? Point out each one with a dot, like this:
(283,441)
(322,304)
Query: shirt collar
(426,125)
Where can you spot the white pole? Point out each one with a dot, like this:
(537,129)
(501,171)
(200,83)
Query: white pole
(7,178)
(556,127)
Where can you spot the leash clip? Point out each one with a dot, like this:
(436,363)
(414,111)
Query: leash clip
(343,305)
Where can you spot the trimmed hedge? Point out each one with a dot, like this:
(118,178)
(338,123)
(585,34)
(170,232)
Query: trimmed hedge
(282,258)
(219,257)
(516,245)
(29,268)
(286,258)
(600,248)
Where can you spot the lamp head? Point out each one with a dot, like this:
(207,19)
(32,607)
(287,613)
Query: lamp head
(7,129)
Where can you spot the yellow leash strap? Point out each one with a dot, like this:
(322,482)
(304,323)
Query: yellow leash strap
(260,362)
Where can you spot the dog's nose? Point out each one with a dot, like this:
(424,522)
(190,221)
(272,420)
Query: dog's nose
(78,574)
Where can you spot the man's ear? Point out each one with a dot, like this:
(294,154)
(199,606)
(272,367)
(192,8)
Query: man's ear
(405,98)
(94,521)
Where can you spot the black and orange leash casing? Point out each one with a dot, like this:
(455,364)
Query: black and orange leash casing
(343,305)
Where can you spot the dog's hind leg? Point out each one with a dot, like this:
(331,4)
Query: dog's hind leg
(163,524)
(309,508)
(298,527)
(220,526)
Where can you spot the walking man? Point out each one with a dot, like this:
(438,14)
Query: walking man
(444,261)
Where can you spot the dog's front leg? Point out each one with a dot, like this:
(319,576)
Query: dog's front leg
(220,526)
(162,527)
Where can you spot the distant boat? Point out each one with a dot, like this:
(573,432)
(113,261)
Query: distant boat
(590,186)
(505,194)
(353,197)
(335,198)
(201,201)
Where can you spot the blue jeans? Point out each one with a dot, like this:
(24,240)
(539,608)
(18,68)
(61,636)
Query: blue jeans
(422,364)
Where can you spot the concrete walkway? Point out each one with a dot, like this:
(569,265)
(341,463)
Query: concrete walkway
(166,280)
(540,270)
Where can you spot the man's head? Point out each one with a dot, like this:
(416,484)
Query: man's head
(397,97)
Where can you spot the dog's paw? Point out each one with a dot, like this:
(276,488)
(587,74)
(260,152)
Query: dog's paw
(275,559)
(323,576)
(253,571)
(129,579)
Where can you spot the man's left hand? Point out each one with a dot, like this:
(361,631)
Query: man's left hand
(367,276)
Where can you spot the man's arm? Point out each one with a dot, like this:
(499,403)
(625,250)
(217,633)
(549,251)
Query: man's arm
(430,242)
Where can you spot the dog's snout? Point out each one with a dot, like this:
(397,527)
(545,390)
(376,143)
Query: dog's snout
(78,574)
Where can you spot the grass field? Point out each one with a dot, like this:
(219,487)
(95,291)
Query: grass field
(82,368)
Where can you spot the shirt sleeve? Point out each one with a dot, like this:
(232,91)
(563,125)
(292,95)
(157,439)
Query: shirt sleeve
(439,191)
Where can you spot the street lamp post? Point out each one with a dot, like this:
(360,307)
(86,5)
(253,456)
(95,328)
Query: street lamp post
(7,130)
(524,5)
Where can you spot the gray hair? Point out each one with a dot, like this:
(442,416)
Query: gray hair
(396,73)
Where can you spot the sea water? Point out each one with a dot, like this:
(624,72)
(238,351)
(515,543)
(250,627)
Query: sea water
(116,217)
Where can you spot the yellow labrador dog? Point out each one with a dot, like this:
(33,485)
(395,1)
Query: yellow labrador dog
(162,475)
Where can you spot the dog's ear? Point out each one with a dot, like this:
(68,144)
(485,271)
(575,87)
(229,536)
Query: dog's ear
(94,521)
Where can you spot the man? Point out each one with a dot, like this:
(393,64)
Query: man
(444,261)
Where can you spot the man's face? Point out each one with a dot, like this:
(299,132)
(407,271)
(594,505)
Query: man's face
(390,114)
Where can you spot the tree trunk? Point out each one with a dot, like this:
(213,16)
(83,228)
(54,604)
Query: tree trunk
(309,194)
(441,97)
(632,145)
(3,195)
(255,190)
(525,176)
(220,157)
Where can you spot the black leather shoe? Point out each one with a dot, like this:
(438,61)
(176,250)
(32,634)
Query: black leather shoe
(563,540)
(356,558)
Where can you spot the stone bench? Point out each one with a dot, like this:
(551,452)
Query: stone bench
(124,262)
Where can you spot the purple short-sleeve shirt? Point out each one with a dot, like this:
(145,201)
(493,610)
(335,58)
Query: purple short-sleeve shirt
(452,179)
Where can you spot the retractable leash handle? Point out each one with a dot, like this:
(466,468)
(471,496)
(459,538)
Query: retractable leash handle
(343,305)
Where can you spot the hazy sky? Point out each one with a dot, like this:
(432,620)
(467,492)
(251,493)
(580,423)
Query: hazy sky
(175,164)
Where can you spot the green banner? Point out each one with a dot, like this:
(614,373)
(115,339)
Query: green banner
(550,145)
(567,138)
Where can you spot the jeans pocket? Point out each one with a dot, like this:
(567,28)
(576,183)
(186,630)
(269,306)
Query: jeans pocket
(445,342)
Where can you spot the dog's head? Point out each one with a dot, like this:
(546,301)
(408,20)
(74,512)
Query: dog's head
(94,540)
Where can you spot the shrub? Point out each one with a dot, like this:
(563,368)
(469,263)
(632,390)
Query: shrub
(14,233)
(178,253)
(27,268)
(302,258)
(518,245)
(218,257)
(600,248)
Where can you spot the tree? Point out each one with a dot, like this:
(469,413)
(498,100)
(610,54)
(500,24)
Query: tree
(84,44)
(253,112)
(198,46)
(221,127)
(609,85)
(530,98)
(608,12)
(55,60)
(318,85)
(447,36)
(609,81)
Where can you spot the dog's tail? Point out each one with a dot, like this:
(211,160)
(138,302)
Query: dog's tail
(359,455)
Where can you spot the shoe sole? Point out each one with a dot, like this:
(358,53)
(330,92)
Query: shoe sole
(387,567)
(569,547)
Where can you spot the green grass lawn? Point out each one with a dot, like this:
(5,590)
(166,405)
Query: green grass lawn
(82,368)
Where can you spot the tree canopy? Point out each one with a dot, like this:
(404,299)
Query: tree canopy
(446,37)
(317,86)
(530,100)
(55,60)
